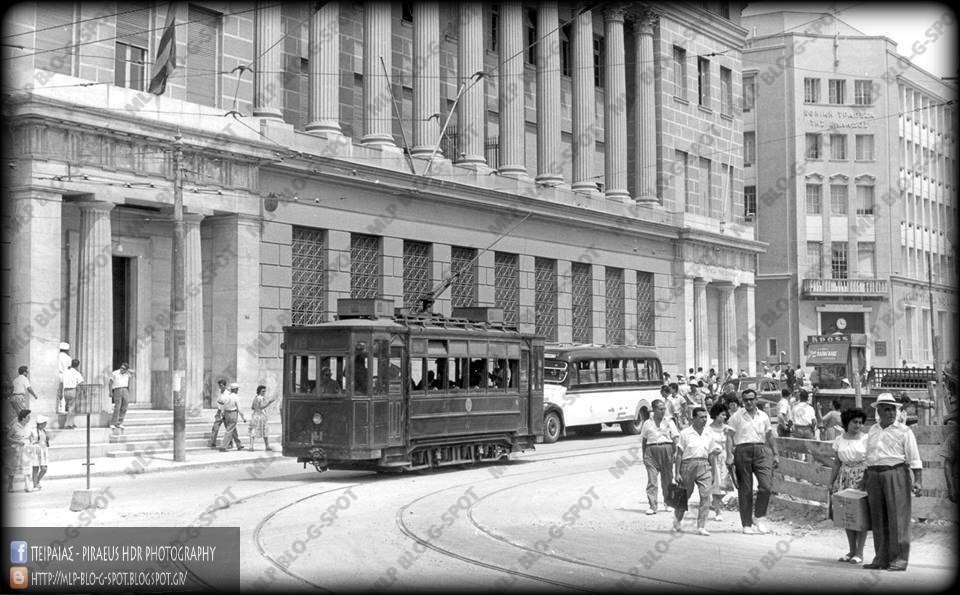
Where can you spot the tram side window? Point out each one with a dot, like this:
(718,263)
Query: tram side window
(304,374)
(500,375)
(417,366)
(361,372)
(479,373)
(332,377)
(436,370)
(458,376)
(394,375)
(524,370)
(378,367)
(513,379)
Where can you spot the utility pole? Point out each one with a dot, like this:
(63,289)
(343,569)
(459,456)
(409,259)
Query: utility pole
(178,327)
(933,335)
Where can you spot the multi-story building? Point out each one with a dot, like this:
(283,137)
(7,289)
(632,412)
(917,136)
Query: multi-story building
(574,186)
(850,159)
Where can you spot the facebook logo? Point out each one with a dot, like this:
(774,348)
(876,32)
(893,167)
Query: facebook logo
(19,552)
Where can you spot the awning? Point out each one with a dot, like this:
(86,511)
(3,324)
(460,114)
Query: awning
(827,353)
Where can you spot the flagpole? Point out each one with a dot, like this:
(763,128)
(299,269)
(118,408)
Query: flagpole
(178,328)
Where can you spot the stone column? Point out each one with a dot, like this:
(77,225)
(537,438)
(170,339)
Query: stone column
(728,327)
(747,293)
(688,358)
(584,104)
(426,77)
(377,104)
(511,89)
(646,122)
(324,76)
(193,289)
(615,107)
(471,123)
(95,301)
(268,69)
(549,168)
(701,334)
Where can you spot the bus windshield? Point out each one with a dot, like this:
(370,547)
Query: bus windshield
(554,371)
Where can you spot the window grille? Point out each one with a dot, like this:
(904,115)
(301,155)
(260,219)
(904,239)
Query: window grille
(646,310)
(545,297)
(417,272)
(506,270)
(749,201)
(615,306)
(308,276)
(366,267)
(464,289)
(582,302)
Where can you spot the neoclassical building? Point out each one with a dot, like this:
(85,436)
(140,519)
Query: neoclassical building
(588,181)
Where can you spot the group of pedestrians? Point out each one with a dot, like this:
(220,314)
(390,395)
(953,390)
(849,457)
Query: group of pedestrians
(228,412)
(26,448)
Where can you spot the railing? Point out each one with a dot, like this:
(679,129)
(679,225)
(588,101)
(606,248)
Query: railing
(877,288)
(915,378)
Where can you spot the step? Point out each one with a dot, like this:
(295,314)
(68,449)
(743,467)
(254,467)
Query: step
(190,446)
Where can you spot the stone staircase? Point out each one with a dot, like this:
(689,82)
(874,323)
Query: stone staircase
(148,432)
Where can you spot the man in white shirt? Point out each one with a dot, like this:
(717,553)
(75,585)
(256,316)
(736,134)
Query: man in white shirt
(804,417)
(231,410)
(63,362)
(696,448)
(21,388)
(748,432)
(218,418)
(892,453)
(70,379)
(120,394)
(784,413)
(658,436)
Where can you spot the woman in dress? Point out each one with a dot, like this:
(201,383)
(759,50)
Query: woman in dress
(721,475)
(41,444)
(848,468)
(259,423)
(831,424)
(19,459)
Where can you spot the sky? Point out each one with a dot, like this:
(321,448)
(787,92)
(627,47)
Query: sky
(909,24)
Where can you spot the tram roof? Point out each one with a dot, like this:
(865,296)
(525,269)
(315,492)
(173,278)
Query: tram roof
(587,352)
(429,323)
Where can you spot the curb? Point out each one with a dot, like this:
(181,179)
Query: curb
(168,466)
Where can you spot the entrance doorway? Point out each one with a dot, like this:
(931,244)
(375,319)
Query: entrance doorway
(123,320)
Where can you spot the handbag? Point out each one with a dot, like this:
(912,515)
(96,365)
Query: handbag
(676,497)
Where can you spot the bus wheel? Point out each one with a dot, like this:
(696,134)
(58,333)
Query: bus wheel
(551,427)
(632,428)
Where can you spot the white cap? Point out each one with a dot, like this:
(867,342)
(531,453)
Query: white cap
(234,385)
(64,347)
(42,419)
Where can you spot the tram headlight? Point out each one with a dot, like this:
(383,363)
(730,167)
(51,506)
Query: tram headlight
(317,418)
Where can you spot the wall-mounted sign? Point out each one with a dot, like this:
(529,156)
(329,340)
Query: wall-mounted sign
(829,119)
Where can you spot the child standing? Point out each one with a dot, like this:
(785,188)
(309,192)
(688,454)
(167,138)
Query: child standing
(41,443)
(259,423)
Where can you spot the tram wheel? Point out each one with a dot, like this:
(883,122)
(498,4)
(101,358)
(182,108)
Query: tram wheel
(552,427)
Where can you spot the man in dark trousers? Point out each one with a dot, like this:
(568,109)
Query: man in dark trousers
(749,435)
(891,455)
(218,418)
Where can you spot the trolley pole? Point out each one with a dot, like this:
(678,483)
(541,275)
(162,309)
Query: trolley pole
(178,329)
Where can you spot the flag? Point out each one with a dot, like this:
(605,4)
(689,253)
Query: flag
(166,60)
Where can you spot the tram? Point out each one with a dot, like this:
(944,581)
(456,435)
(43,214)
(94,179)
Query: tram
(385,390)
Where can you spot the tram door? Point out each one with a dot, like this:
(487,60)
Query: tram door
(378,391)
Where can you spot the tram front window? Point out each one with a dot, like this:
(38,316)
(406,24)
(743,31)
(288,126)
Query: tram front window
(332,380)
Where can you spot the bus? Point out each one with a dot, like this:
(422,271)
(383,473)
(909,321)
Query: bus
(589,386)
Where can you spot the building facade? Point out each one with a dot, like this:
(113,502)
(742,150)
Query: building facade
(850,162)
(574,185)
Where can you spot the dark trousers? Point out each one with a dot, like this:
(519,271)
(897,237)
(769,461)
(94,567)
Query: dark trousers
(120,399)
(888,496)
(805,432)
(230,434)
(217,422)
(750,460)
(38,472)
(658,459)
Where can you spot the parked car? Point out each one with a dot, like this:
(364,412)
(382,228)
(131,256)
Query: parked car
(768,391)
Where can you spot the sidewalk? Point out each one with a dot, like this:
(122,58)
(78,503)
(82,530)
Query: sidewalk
(119,466)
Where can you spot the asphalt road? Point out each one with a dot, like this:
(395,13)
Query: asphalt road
(565,517)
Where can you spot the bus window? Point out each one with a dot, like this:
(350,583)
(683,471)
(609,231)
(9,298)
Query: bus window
(603,370)
(554,371)
(586,373)
(361,374)
(304,374)
(394,376)
(630,370)
(617,370)
(416,373)
(653,370)
(643,370)
(332,376)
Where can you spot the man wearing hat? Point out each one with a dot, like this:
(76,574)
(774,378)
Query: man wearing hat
(891,454)
(230,410)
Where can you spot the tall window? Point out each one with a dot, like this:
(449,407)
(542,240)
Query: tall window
(646,310)
(749,201)
(680,72)
(598,50)
(837,91)
(531,24)
(863,92)
(308,288)
(811,90)
(463,293)
(814,260)
(866,259)
(566,33)
(131,48)
(545,298)
(706,184)
(681,177)
(749,148)
(506,286)
(726,91)
(203,40)
(417,272)
(838,260)
(864,147)
(838,147)
(54,38)
(814,199)
(366,266)
(749,92)
(703,81)
(838,199)
(812,145)
(494,29)
(582,302)
(615,305)
(864,199)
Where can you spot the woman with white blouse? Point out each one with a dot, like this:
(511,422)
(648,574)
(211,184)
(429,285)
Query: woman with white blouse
(848,468)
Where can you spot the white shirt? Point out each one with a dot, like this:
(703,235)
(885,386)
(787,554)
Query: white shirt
(892,445)
(63,362)
(20,384)
(747,428)
(803,414)
(120,380)
(784,409)
(659,434)
(851,451)
(71,377)
(697,446)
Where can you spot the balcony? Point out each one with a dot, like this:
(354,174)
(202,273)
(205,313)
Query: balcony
(867,289)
